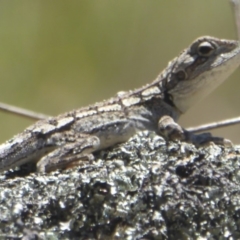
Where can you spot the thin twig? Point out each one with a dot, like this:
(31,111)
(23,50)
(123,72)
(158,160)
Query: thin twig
(22,112)
(210,126)
(236,9)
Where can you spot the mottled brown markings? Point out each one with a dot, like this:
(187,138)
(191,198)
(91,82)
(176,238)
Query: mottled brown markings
(80,115)
(110,108)
(129,101)
(44,129)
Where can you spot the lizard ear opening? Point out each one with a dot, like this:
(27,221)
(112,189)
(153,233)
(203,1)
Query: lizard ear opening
(181,75)
(205,49)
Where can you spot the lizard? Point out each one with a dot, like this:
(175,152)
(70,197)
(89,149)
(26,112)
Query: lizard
(58,142)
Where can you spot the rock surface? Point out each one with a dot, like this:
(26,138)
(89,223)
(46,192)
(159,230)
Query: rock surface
(143,189)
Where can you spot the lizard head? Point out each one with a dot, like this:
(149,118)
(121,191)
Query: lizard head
(199,69)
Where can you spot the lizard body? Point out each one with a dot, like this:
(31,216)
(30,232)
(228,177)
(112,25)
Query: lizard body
(75,135)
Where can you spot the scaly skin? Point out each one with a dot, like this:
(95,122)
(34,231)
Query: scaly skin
(59,141)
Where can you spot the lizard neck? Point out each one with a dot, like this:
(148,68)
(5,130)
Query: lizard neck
(155,93)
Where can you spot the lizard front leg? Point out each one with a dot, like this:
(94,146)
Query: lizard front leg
(69,153)
(171,130)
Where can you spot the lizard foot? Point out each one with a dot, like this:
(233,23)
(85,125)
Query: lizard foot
(170,130)
(69,154)
(206,139)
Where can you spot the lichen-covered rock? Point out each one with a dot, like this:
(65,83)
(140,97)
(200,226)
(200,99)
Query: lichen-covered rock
(143,189)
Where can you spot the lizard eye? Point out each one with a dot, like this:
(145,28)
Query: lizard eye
(205,49)
(181,75)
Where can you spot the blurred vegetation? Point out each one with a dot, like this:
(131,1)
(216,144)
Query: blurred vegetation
(59,55)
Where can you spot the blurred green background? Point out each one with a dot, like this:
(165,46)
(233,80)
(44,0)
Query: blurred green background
(60,55)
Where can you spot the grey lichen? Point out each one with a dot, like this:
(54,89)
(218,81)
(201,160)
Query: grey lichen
(143,189)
